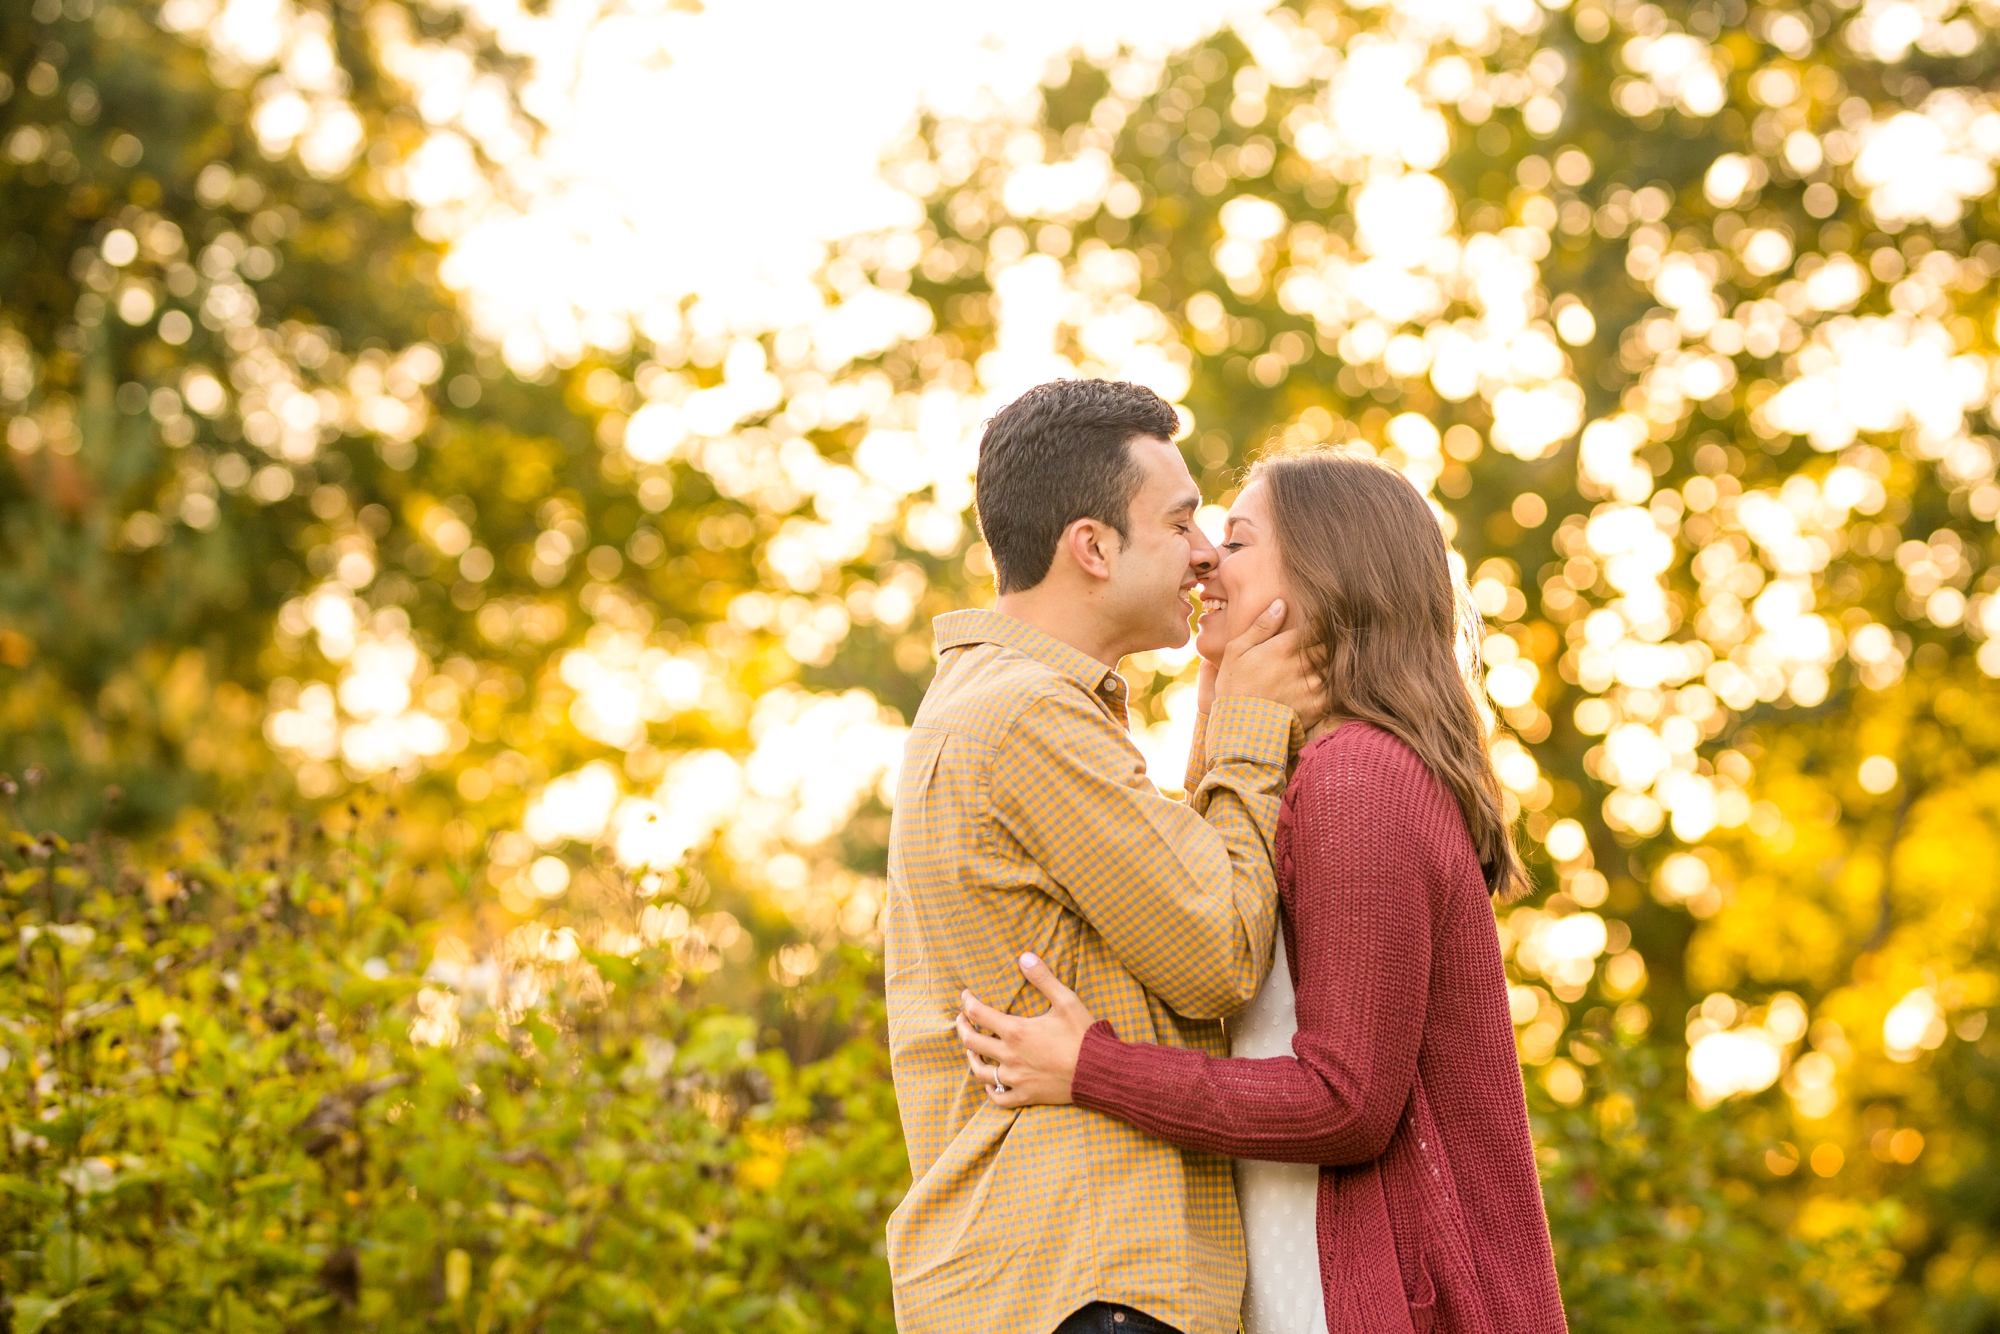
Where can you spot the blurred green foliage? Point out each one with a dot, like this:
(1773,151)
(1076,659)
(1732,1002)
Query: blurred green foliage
(1662,1220)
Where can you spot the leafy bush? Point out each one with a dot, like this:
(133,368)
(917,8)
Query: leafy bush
(217,1117)
(1657,1225)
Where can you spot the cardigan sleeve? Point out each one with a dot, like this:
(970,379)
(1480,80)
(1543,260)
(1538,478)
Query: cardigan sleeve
(1365,843)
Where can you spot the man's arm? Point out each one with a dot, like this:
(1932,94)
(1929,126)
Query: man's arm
(1186,900)
(1197,760)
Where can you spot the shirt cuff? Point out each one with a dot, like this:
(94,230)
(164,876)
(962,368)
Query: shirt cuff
(1095,1081)
(1243,727)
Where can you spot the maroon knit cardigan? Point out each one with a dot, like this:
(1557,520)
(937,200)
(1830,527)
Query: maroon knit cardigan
(1403,1084)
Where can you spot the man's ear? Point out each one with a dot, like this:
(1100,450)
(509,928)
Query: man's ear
(1092,547)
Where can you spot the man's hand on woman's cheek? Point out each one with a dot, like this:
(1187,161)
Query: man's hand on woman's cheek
(1265,662)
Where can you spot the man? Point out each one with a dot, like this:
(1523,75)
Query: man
(1024,822)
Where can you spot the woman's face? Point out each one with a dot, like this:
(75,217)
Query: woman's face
(1249,578)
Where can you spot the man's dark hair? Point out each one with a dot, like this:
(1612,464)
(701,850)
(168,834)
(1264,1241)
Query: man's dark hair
(1056,454)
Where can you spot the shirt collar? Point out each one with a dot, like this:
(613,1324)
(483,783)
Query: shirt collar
(980,625)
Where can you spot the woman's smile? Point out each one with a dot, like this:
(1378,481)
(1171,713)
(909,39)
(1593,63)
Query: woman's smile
(1248,572)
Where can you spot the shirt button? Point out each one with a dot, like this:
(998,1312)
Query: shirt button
(1117,1317)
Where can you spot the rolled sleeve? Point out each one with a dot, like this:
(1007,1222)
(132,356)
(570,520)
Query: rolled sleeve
(1242,727)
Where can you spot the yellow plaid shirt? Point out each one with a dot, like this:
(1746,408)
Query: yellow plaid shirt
(1024,821)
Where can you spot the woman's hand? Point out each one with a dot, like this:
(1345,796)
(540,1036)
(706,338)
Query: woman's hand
(1025,1062)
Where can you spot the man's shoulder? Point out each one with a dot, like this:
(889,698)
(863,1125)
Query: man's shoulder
(983,690)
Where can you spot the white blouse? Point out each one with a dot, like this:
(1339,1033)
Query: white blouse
(1279,1200)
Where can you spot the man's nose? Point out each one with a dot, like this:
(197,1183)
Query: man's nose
(1202,555)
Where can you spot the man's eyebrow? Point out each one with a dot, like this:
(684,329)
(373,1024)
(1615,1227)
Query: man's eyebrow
(1185,505)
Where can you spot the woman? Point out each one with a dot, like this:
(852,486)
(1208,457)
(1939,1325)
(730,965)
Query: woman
(1385,1163)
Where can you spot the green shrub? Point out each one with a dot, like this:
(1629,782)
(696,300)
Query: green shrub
(217,1117)
(1665,1216)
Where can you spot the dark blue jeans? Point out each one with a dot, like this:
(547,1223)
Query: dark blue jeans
(1105,1318)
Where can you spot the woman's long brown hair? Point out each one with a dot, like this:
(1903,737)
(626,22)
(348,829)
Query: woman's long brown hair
(1389,628)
